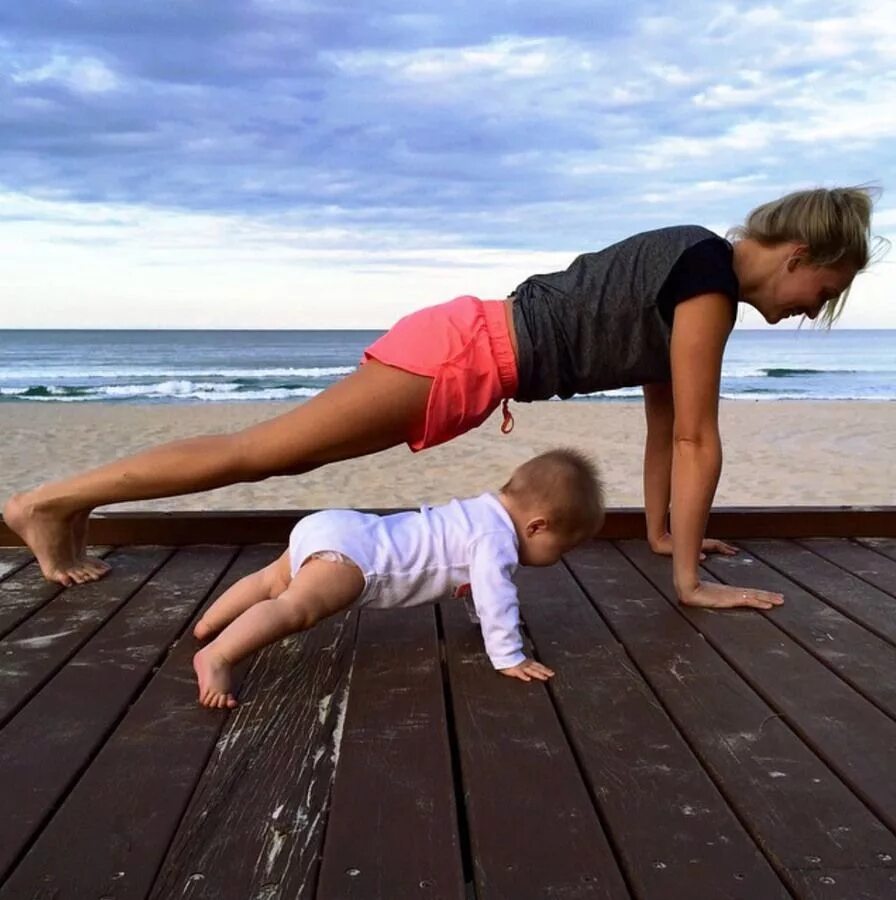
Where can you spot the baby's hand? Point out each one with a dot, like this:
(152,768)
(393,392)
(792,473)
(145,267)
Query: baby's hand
(527,670)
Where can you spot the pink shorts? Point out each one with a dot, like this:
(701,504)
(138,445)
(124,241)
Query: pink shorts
(464,346)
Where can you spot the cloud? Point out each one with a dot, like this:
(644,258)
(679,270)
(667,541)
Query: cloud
(511,127)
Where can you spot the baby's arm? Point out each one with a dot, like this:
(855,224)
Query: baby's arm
(492,565)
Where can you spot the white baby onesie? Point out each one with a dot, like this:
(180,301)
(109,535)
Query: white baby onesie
(420,557)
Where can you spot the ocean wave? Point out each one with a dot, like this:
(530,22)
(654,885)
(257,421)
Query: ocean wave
(171,391)
(49,372)
(795,372)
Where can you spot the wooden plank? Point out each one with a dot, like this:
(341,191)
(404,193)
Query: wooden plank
(22,593)
(12,559)
(882,545)
(110,835)
(534,832)
(820,838)
(255,824)
(33,652)
(859,657)
(862,561)
(47,745)
(675,833)
(244,527)
(392,829)
(853,597)
(25,590)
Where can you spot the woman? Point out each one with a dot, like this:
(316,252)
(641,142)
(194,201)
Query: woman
(655,309)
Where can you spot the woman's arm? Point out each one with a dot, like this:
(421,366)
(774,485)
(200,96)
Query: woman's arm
(660,411)
(699,332)
(660,414)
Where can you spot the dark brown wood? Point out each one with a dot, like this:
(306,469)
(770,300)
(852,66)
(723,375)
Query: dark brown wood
(22,593)
(856,739)
(392,829)
(883,545)
(820,838)
(534,832)
(111,833)
(47,745)
(249,527)
(256,821)
(861,658)
(861,562)
(669,824)
(703,744)
(853,597)
(12,559)
(33,652)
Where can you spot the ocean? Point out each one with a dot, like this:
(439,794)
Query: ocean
(203,366)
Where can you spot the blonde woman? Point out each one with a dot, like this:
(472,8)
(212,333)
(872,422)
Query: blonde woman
(655,310)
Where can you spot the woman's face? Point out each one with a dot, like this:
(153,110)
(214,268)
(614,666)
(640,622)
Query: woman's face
(802,289)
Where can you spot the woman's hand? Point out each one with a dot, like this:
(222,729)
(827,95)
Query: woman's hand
(663,546)
(723,596)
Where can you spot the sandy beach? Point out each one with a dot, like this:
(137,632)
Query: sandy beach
(776,453)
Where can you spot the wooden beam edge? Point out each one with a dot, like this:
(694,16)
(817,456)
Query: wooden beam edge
(273,526)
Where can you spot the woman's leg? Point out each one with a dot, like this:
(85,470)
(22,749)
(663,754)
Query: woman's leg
(372,409)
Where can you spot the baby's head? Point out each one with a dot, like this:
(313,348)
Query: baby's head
(555,501)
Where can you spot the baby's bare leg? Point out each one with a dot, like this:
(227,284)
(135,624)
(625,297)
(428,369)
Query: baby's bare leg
(319,589)
(271,581)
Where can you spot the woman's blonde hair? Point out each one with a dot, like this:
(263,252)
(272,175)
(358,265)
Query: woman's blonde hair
(834,223)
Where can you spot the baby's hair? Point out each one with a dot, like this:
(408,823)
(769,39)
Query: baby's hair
(565,486)
(834,223)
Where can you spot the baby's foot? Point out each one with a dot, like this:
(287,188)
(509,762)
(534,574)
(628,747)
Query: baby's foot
(203,630)
(213,673)
(51,539)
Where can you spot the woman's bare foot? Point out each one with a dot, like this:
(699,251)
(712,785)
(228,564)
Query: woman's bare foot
(213,673)
(51,538)
(96,566)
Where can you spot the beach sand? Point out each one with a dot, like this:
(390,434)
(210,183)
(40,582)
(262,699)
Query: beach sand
(781,453)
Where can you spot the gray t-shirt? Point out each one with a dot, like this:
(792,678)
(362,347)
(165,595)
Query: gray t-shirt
(600,324)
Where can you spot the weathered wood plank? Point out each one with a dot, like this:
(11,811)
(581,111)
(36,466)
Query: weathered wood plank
(255,824)
(860,560)
(673,830)
(12,559)
(25,590)
(110,835)
(534,832)
(22,593)
(392,829)
(859,657)
(883,545)
(820,838)
(853,736)
(853,597)
(46,746)
(33,652)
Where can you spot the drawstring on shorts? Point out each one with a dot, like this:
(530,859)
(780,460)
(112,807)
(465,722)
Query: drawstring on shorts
(507,424)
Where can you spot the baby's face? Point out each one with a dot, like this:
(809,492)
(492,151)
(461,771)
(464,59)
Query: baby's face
(545,547)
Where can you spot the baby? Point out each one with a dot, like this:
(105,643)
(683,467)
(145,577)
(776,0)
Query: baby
(338,559)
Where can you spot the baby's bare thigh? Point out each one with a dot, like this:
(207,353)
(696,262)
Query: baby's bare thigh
(325,585)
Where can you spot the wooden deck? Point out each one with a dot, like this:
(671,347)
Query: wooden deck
(676,754)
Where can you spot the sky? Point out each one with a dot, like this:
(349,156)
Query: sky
(276,164)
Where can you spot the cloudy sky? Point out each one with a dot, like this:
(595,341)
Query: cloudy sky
(325,164)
